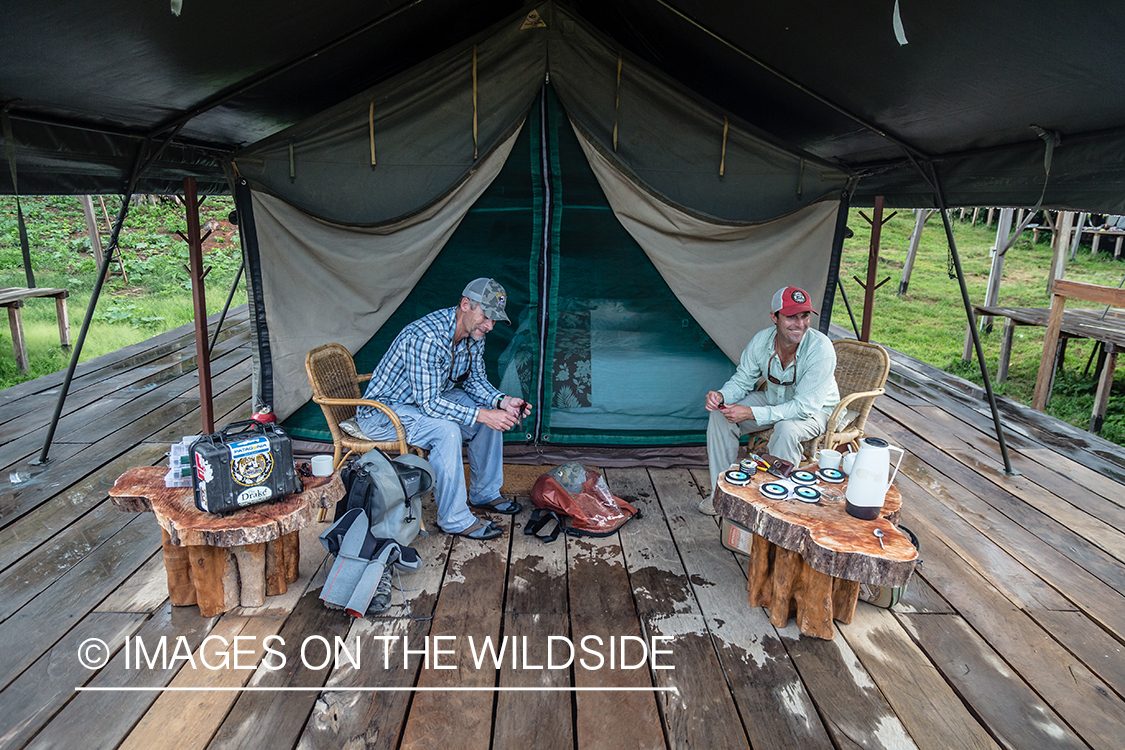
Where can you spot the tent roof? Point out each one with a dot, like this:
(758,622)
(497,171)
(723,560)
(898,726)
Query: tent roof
(85,83)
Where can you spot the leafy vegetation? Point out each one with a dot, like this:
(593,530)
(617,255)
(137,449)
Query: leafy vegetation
(156,297)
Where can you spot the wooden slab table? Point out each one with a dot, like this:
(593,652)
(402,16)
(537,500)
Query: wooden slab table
(808,559)
(12,297)
(222,562)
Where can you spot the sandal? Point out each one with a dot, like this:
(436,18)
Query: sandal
(500,505)
(482,530)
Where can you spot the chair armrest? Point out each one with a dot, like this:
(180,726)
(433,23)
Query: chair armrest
(400,433)
(846,401)
(838,413)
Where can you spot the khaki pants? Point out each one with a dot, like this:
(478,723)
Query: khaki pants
(785,443)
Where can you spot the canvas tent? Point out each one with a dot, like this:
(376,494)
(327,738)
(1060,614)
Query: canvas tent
(722,136)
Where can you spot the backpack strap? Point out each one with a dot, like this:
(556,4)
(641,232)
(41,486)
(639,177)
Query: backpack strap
(358,482)
(539,519)
(360,561)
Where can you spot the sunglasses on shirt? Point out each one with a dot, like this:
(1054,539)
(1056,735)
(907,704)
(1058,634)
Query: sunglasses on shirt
(774,380)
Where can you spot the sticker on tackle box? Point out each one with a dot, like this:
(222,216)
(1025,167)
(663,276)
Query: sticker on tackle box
(250,461)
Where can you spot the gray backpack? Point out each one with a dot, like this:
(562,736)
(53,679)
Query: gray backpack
(389,491)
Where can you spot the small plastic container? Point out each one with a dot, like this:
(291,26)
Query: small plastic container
(179,463)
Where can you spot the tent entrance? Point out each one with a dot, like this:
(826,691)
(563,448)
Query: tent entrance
(598,341)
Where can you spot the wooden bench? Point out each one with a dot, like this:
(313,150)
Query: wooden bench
(1097,235)
(222,562)
(12,297)
(1060,292)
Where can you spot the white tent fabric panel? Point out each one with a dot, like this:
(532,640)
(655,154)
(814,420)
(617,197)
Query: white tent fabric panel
(724,274)
(326,282)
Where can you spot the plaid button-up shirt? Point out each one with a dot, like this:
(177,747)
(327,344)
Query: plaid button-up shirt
(422,364)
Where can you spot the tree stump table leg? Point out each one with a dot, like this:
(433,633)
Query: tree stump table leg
(782,582)
(282,557)
(216,580)
(219,579)
(251,562)
(177,566)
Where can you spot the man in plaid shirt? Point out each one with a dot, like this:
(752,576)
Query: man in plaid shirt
(433,378)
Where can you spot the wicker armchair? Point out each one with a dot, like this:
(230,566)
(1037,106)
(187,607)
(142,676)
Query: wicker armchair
(861,372)
(335,385)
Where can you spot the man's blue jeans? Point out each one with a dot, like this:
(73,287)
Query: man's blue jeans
(443,438)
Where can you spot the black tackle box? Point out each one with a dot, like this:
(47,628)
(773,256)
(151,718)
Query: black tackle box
(244,464)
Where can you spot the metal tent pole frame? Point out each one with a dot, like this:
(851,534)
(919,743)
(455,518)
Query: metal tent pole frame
(107,258)
(226,308)
(140,163)
(833,279)
(939,194)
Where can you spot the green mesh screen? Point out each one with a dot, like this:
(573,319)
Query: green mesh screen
(626,363)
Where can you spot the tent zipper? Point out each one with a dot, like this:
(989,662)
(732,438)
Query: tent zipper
(544,265)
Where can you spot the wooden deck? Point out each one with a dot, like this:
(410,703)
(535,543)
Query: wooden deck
(1010,635)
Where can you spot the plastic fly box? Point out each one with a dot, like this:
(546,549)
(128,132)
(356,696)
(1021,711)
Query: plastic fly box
(245,464)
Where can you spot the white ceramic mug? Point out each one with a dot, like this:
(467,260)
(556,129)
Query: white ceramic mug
(846,463)
(322,466)
(827,458)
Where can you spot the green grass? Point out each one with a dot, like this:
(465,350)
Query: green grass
(156,298)
(929,321)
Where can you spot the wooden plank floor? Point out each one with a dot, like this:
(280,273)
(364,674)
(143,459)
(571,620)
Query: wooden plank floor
(1011,635)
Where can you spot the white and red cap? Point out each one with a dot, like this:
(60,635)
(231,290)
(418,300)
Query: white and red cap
(791,300)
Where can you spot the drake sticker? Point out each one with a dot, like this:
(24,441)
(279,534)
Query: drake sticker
(250,461)
(254,495)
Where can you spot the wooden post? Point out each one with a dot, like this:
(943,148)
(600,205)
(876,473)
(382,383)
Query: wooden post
(1061,244)
(1005,350)
(63,320)
(92,226)
(995,273)
(992,292)
(199,304)
(15,324)
(869,288)
(1078,234)
(1047,360)
(921,216)
(1105,384)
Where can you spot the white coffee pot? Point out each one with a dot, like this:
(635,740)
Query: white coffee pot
(868,482)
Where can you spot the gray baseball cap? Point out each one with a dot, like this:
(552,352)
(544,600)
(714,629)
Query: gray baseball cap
(490,295)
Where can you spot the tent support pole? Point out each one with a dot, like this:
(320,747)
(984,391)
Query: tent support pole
(76,352)
(140,164)
(940,195)
(199,304)
(834,263)
(226,308)
(848,307)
